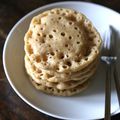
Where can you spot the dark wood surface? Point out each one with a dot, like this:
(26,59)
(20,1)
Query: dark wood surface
(11,106)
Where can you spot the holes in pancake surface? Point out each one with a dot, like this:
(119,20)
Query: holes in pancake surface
(98,40)
(78,42)
(62,34)
(41,74)
(87,52)
(61,9)
(56,50)
(65,66)
(70,37)
(89,25)
(70,23)
(42,41)
(50,89)
(41,28)
(50,36)
(68,49)
(63,14)
(92,33)
(66,45)
(58,12)
(49,76)
(52,53)
(66,36)
(38,34)
(60,55)
(74,90)
(54,30)
(75,12)
(49,46)
(38,84)
(75,28)
(44,35)
(59,18)
(36,40)
(57,68)
(67,55)
(68,63)
(96,51)
(86,58)
(79,32)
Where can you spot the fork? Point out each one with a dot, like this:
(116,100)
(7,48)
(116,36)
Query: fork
(108,57)
(115,72)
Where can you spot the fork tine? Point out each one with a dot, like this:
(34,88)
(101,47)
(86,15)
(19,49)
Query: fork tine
(113,40)
(106,44)
(109,41)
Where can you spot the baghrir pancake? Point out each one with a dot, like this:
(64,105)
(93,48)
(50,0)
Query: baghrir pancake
(62,48)
(57,92)
(59,85)
(41,74)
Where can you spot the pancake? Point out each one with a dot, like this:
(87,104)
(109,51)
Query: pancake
(69,45)
(56,77)
(59,85)
(62,49)
(57,92)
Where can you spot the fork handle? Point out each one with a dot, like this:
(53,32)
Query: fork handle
(117,82)
(108,93)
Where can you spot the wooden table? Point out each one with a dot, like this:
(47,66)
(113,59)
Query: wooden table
(11,106)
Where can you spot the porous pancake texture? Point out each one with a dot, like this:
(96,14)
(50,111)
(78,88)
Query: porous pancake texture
(62,48)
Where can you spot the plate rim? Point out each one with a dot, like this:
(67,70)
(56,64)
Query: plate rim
(10,33)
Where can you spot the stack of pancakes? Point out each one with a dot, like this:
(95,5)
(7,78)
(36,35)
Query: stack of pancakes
(61,51)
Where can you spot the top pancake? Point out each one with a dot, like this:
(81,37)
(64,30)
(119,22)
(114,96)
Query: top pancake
(62,40)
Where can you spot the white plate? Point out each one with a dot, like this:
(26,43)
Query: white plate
(87,105)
